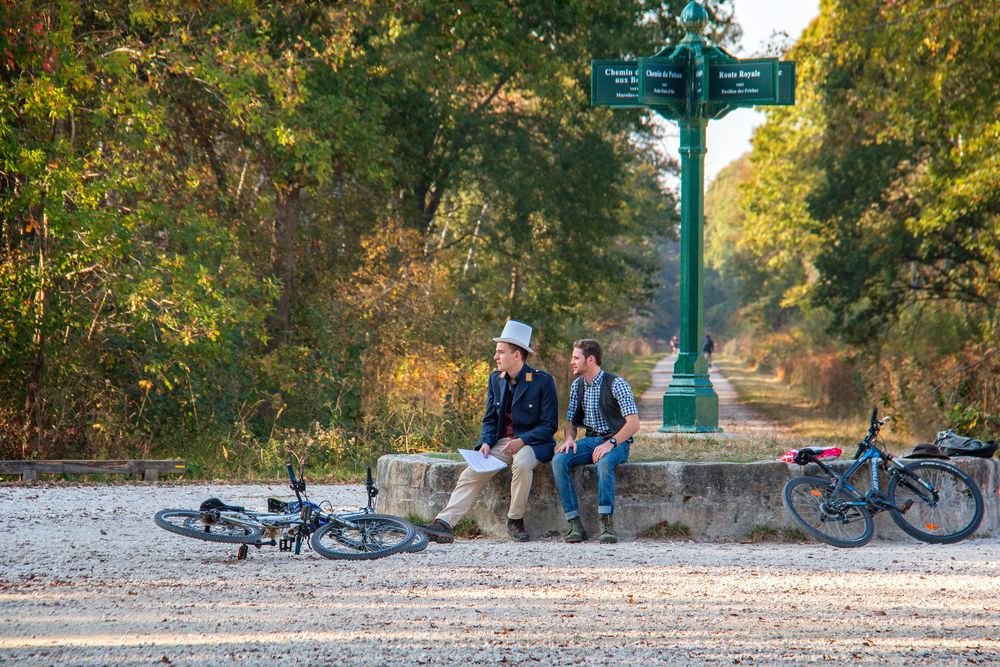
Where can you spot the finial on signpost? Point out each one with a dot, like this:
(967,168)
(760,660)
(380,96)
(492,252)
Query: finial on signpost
(694,18)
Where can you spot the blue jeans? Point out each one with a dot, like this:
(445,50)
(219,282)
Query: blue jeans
(562,469)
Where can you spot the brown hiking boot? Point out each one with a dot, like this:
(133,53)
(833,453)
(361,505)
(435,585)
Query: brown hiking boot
(515,528)
(576,532)
(438,531)
(608,530)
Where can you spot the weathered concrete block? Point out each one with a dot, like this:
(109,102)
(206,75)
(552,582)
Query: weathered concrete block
(716,501)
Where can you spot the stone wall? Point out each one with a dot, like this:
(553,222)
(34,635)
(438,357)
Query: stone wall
(716,501)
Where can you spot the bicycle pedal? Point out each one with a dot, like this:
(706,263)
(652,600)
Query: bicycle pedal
(907,505)
(286,544)
(879,502)
(241,553)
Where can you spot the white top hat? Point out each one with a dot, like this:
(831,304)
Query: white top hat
(516,333)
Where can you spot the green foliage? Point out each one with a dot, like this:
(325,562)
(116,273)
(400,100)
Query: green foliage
(871,207)
(468,529)
(241,232)
(667,530)
(760,534)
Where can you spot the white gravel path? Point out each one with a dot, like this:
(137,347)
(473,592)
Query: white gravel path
(88,579)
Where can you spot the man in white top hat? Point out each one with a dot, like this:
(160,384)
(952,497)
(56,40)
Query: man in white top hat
(521,418)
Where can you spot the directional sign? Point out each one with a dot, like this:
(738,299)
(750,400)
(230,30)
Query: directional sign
(661,81)
(744,82)
(691,83)
(614,83)
(786,83)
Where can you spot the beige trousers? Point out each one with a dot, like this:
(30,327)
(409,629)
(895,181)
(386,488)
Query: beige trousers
(522,467)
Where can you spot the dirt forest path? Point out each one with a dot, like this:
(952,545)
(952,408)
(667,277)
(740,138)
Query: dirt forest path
(734,417)
(89,579)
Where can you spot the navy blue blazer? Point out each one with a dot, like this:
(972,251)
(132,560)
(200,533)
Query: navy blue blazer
(534,411)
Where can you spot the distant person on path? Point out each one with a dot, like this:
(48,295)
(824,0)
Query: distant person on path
(674,344)
(604,405)
(708,349)
(522,415)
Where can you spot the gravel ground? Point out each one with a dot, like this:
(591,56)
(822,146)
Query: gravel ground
(88,579)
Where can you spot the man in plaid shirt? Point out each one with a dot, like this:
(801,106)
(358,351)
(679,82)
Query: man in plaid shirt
(604,405)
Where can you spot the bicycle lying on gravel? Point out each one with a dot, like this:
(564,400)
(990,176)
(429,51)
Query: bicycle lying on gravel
(420,540)
(358,535)
(929,500)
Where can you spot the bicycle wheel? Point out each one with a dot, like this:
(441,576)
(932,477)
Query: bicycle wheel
(419,543)
(191,523)
(945,505)
(420,540)
(826,517)
(371,536)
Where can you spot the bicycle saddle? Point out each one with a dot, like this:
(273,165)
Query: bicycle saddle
(810,454)
(216,504)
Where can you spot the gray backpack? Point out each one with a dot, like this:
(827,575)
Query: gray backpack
(954,444)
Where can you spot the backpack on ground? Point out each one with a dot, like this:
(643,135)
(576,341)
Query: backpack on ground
(926,450)
(954,444)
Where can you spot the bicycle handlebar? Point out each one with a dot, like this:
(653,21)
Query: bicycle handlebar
(873,430)
(876,423)
(298,485)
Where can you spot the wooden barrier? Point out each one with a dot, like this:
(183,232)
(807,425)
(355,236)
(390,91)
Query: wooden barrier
(150,469)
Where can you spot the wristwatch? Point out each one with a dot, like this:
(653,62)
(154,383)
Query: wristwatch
(614,442)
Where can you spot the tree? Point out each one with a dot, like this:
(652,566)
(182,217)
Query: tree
(873,203)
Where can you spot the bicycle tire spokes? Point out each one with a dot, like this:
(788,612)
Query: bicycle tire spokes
(944,504)
(367,537)
(826,513)
(364,537)
(205,526)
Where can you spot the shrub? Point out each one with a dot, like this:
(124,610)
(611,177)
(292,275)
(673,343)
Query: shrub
(761,534)
(666,530)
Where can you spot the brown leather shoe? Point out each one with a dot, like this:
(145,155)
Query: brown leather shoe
(515,528)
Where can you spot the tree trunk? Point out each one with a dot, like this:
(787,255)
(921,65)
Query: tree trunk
(512,295)
(475,239)
(288,205)
(33,397)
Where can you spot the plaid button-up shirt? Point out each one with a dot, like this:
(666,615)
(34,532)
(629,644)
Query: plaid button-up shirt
(593,416)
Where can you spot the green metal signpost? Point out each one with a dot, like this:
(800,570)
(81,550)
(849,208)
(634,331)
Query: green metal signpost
(690,85)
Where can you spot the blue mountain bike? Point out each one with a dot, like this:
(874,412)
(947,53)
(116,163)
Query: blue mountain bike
(930,500)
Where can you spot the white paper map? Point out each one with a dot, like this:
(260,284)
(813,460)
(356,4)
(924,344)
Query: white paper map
(481,463)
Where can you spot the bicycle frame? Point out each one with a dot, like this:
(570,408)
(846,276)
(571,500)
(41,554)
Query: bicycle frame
(303,515)
(250,520)
(871,455)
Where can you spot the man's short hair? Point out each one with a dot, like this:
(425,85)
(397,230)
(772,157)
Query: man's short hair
(590,348)
(517,348)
